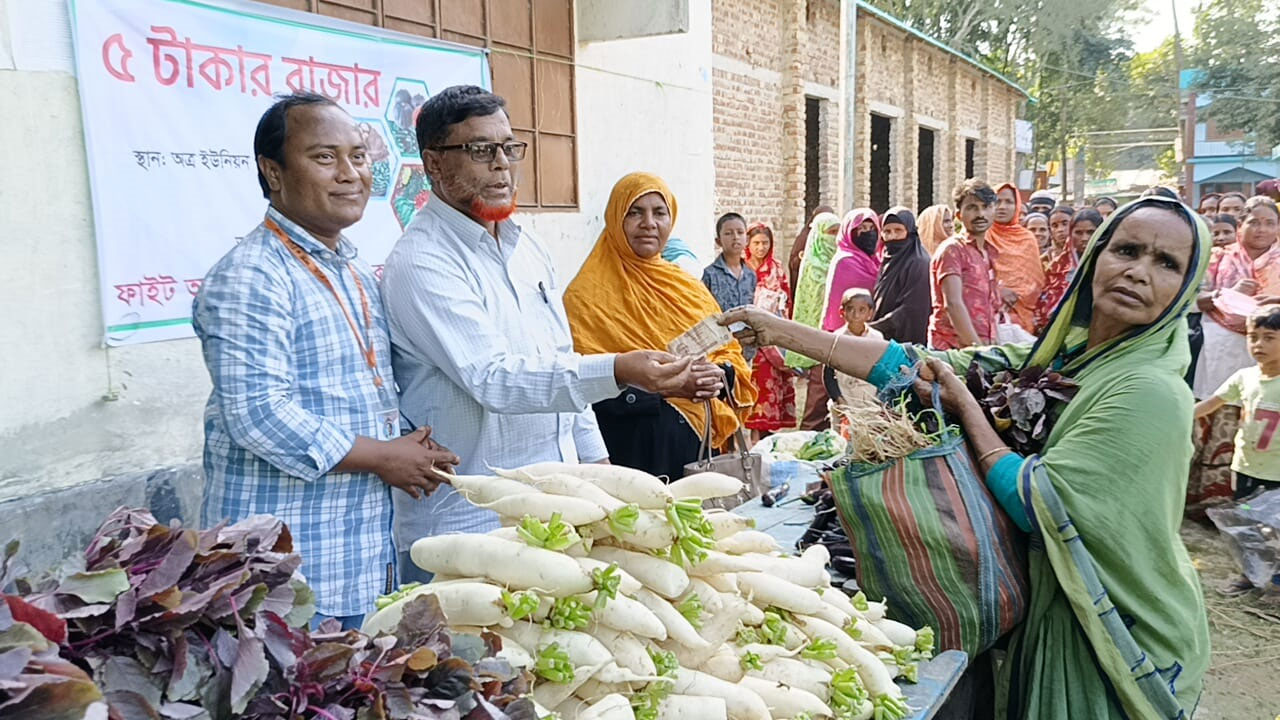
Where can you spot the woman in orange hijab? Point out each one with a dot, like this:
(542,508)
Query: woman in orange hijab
(1018,267)
(626,297)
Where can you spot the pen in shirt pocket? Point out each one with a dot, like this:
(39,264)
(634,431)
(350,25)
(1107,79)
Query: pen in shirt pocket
(542,289)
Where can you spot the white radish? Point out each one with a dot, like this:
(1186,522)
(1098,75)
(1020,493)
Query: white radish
(870,635)
(575,487)
(752,615)
(612,674)
(512,564)
(765,590)
(551,694)
(625,484)
(816,629)
(797,674)
(574,511)
(724,664)
(748,541)
(582,649)
(897,633)
(627,615)
(718,562)
(818,554)
(742,703)
(705,486)
(661,576)
(514,653)
(831,614)
(652,531)
(626,583)
(724,523)
(875,610)
(609,707)
(876,678)
(825,582)
(712,599)
(594,691)
(723,582)
(840,601)
(463,603)
(628,651)
(484,489)
(784,701)
(692,707)
(678,628)
(801,572)
(766,653)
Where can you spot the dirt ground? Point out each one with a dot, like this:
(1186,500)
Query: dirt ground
(1244,677)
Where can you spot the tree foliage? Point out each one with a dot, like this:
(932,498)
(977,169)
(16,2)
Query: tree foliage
(1237,54)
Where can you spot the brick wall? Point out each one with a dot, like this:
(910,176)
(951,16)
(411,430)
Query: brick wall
(768,53)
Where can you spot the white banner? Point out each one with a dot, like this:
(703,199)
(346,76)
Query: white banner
(171,91)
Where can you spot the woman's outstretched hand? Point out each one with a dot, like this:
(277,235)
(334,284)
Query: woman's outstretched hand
(761,327)
(956,398)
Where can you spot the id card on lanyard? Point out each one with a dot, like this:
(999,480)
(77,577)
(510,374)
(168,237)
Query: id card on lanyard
(386,420)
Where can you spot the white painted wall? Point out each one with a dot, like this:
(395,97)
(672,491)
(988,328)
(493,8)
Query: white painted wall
(643,104)
(72,411)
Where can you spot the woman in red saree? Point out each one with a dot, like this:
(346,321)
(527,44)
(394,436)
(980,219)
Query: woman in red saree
(775,407)
(1062,268)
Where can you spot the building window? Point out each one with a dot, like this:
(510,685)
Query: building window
(531,44)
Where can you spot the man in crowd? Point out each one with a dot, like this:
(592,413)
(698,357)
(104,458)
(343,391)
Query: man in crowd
(303,422)
(1232,203)
(480,339)
(1041,201)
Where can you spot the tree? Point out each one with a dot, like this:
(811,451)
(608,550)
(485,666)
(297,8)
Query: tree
(1237,55)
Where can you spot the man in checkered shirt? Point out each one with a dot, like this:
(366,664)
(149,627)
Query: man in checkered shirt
(303,421)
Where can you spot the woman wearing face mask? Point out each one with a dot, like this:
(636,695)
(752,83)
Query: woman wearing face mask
(626,297)
(1250,266)
(1115,602)
(902,302)
(856,263)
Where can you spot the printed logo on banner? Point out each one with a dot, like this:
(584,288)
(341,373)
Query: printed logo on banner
(171,92)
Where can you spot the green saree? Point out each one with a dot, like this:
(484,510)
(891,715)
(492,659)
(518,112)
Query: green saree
(1116,626)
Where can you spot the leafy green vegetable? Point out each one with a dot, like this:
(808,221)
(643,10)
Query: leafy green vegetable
(645,703)
(556,535)
(847,692)
(691,609)
(664,661)
(749,635)
(606,583)
(826,445)
(623,520)
(553,664)
(890,708)
(859,601)
(750,661)
(520,605)
(384,600)
(819,649)
(905,659)
(924,642)
(851,629)
(774,629)
(569,613)
(694,534)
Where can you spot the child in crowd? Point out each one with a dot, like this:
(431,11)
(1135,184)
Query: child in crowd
(730,281)
(1256,391)
(962,276)
(856,307)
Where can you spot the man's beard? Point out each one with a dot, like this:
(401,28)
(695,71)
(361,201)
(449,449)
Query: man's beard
(492,213)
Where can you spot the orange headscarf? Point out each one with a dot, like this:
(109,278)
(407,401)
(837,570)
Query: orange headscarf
(930,227)
(621,302)
(1018,265)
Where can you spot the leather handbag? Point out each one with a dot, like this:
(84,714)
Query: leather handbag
(738,462)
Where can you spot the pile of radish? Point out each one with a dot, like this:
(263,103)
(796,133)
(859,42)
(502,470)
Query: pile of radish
(626,599)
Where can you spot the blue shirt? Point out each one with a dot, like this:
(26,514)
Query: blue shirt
(483,354)
(731,290)
(291,391)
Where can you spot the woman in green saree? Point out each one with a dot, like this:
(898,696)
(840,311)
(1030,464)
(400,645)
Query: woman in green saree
(1116,626)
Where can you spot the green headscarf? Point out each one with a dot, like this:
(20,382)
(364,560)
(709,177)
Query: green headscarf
(811,284)
(1116,613)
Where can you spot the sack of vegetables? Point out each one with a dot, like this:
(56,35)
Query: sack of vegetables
(926,532)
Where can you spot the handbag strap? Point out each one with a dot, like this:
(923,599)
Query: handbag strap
(740,440)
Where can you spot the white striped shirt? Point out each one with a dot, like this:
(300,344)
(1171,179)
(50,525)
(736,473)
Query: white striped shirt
(482,353)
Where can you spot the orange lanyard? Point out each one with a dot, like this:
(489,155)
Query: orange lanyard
(362,341)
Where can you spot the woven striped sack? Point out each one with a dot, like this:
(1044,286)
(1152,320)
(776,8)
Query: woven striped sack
(933,542)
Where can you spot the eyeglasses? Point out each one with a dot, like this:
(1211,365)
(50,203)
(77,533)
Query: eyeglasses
(487,151)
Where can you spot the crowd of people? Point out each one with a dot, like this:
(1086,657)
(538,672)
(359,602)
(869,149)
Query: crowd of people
(342,403)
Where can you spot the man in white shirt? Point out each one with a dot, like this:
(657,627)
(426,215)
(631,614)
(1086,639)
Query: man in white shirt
(480,342)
